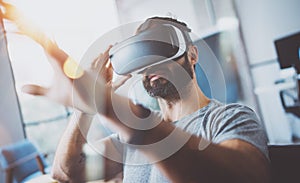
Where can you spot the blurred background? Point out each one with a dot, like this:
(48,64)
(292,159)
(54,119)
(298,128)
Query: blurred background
(246,37)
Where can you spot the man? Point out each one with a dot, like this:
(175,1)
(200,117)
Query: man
(210,141)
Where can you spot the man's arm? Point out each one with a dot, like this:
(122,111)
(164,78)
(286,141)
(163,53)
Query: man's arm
(229,161)
(69,162)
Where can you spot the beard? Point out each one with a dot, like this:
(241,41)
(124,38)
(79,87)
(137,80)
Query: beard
(165,89)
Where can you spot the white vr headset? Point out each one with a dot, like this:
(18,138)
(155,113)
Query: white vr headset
(151,47)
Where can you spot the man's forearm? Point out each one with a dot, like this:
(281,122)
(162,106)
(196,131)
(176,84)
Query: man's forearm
(231,161)
(69,161)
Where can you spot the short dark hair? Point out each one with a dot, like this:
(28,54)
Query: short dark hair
(151,22)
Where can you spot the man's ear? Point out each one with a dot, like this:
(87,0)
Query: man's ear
(193,54)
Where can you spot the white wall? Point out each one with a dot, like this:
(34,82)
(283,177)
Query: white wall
(262,21)
(186,11)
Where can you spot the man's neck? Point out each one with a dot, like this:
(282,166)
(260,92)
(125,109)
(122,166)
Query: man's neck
(192,100)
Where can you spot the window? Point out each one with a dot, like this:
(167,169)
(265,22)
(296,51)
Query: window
(74,26)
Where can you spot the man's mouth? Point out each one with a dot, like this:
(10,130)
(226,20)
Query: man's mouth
(156,75)
(153,77)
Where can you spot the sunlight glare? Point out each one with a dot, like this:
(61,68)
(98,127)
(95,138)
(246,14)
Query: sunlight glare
(73,25)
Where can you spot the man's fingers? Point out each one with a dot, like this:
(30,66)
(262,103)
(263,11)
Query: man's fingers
(35,90)
(102,61)
(97,61)
(7,16)
(102,66)
(6,5)
(10,11)
(117,84)
(106,53)
(4,16)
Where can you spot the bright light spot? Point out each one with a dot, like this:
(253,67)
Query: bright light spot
(73,25)
(72,69)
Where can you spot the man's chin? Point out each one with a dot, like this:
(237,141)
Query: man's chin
(161,89)
(155,92)
(164,93)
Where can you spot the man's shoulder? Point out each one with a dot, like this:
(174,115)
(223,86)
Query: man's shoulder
(237,121)
(226,110)
(229,116)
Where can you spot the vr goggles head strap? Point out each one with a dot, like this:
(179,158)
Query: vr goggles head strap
(156,21)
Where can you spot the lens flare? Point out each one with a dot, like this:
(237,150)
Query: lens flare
(72,69)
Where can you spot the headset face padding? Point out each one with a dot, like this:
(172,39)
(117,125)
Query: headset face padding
(150,47)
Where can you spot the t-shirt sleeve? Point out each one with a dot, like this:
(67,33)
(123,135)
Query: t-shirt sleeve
(236,121)
(114,148)
(116,142)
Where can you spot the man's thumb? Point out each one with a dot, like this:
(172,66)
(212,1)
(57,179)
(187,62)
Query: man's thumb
(34,90)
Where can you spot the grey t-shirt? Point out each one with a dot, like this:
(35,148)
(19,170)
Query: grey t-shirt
(215,122)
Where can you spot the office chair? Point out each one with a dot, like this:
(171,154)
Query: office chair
(21,162)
